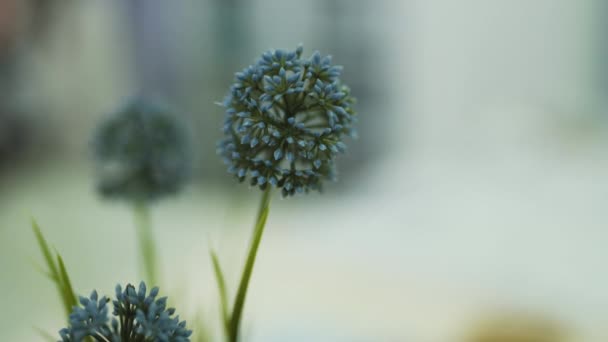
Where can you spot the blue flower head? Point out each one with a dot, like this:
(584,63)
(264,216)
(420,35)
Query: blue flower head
(285,121)
(143,152)
(138,316)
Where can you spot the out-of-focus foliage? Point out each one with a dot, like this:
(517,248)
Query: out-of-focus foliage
(517,328)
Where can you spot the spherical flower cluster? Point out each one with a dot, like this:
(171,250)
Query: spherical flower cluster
(286,117)
(139,317)
(143,152)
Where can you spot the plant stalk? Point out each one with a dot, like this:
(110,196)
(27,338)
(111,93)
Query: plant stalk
(146,243)
(239,301)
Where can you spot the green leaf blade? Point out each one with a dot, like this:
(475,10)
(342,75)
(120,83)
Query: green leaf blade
(67,289)
(221,285)
(46,252)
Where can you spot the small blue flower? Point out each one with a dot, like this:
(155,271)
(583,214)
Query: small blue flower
(139,316)
(91,318)
(143,152)
(285,121)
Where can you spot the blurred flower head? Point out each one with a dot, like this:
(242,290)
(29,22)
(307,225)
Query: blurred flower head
(285,122)
(139,316)
(143,152)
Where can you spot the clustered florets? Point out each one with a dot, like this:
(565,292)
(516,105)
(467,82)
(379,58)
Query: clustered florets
(139,317)
(286,117)
(143,152)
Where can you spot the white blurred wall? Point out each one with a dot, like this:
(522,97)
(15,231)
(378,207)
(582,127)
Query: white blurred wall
(498,175)
(470,60)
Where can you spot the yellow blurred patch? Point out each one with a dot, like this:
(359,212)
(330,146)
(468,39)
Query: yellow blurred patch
(517,328)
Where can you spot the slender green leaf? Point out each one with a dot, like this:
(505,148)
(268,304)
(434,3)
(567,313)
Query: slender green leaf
(68,290)
(221,285)
(57,272)
(46,252)
(41,270)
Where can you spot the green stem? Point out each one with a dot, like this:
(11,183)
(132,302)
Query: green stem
(239,302)
(146,242)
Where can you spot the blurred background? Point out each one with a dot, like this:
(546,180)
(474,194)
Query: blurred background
(471,208)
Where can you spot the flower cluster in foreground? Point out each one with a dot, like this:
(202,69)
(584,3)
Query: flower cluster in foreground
(143,152)
(286,117)
(139,317)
